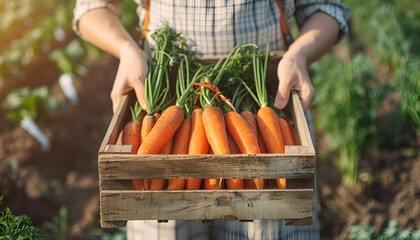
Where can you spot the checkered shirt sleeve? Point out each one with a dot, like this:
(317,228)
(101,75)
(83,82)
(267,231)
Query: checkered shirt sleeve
(340,12)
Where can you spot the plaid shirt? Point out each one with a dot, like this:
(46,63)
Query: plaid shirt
(215,27)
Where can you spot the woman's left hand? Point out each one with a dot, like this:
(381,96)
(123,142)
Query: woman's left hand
(293,75)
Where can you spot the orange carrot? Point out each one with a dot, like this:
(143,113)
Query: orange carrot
(213,184)
(249,184)
(198,143)
(159,184)
(181,145)
(131,131)
(131,135)
(215,128)
(251,120)
(234,149)
(285,131)
(163,131)
(270,130)
(147,125)
(293,131)
(149,122)
(247,141)
(261,142)
(288,140)
(281,183)
(241,133)
(157,116)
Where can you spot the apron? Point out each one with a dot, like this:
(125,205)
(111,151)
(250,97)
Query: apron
(215,27)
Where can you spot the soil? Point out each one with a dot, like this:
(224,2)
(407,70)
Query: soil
(38,184)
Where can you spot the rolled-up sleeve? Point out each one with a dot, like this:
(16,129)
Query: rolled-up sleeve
(340,12)
(84,6)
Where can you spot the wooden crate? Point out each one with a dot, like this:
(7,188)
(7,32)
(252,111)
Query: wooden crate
(119,203)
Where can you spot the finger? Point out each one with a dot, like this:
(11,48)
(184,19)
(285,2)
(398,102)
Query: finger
(116,99)
(117,92)
(307,96)
(283,91)
(140,93)
(306,93)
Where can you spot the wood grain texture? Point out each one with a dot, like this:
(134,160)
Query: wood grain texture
(300,121)
(241,166)
(120,117)
(206,205)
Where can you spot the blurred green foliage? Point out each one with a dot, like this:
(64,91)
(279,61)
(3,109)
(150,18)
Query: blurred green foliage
(349,94)
(367,232)
(347,101)
(17,227)
(36,104)
(391,29)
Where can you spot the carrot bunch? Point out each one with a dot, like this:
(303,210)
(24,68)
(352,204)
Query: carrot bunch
(212,125)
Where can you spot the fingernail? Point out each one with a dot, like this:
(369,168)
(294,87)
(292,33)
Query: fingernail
(279,103)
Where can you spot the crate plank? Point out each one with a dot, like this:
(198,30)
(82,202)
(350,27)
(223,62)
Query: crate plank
(301,124)
(206,204)
(116,125)
(129,166)
(298,222)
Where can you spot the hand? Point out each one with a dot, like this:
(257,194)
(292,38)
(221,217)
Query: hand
(131,74)
(293,75)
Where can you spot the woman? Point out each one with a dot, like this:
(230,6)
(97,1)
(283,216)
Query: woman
(216,26)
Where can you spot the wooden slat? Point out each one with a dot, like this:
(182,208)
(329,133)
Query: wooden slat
(206,205)
(300,122)
(129,166)
(113,224)
(115,184)
(117,121)
(299,183)
(298,222)
(117,149)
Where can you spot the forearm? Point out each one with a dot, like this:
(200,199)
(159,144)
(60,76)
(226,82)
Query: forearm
(317,35)
(104,30)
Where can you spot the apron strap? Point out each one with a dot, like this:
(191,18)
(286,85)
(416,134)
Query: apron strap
(285,31)
(146,19)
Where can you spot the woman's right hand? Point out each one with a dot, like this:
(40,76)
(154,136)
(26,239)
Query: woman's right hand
(131,74)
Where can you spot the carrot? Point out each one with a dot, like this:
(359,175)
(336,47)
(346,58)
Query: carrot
(163,131)
(198,143)
(181,145)
(261,142)
(251,120)
(293,131)
(281,183)
(131,131)
(249,184)
(147,125)
(159,184)
(149,122)
(215,128)
(285,131)
(213,184)
(270,130)
(234,149)
(131,135)
(241,133)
